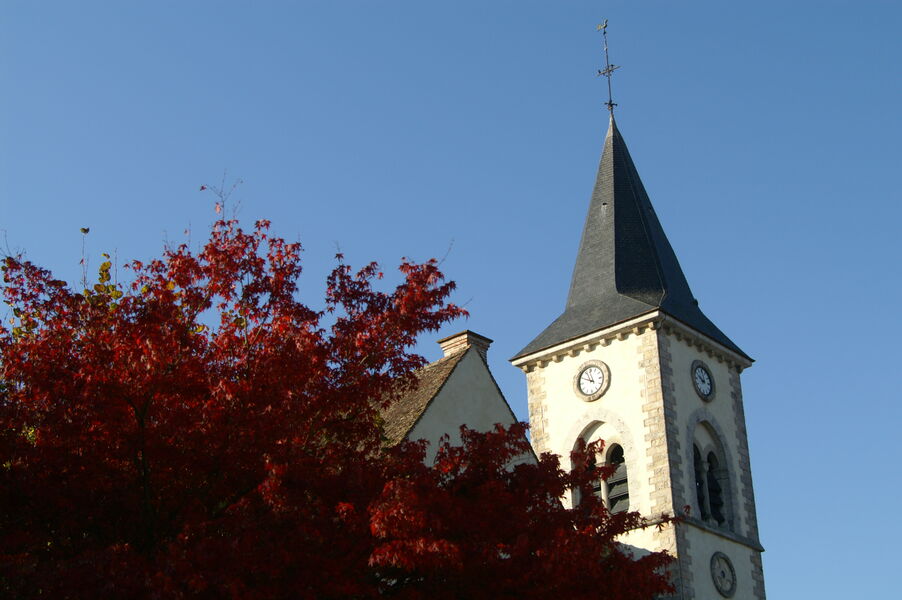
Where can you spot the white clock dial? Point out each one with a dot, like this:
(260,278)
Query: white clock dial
(590,380)
(703,381)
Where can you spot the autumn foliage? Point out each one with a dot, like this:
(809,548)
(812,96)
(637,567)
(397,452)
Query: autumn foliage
(199,432)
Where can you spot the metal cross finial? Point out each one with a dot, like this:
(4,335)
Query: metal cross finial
(608,67)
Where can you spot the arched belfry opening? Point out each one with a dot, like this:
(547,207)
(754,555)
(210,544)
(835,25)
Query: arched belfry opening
(701,489)
(712,478)
(618,492)
(613,492)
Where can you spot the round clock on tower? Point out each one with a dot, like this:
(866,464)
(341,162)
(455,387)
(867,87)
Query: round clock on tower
(590,380)
(633,360)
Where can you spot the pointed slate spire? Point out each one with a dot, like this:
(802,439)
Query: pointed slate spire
(625,266)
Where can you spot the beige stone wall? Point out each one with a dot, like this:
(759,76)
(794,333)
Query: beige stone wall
(659,424)
(559,415)
(711,425)
(746,498)
(701,545)
(718,425)
(652,410)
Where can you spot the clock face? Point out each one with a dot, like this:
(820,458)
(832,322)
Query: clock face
(723,575)
(590,380)
(704,383)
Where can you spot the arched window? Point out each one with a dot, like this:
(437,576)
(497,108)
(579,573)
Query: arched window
(701,485)
(597,482)
(712,481)
(615,491)
(618,493)
(715,490)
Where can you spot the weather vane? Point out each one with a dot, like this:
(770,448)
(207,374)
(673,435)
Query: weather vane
(608,67)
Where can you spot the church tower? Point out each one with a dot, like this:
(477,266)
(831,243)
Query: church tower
(634,361)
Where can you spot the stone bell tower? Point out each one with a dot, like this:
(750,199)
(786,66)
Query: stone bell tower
(633,360)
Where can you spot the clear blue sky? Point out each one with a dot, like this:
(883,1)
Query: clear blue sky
(767,134)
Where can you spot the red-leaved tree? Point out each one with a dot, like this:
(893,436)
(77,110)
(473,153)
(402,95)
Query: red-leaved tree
(202,433)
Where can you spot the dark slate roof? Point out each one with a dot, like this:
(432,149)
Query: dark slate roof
(402,414)
(625,266)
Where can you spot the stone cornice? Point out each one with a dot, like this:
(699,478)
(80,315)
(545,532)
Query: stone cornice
(652,320)
(602,337)
(686,520)
(718,352)
(729,535)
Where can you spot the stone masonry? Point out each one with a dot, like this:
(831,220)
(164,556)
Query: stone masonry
(661,440)
(745,477)
(538,420)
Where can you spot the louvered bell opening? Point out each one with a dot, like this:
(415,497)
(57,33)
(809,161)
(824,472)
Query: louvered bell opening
(700,492)
(619,476)
(715,492)
(717,502)
(717,514)
(597,481)
(618,490)
(700,495)
(620,505)
(596,488)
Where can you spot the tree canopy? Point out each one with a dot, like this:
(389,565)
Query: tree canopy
(200,432)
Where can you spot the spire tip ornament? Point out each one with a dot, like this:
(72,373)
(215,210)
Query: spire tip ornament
(609,69)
